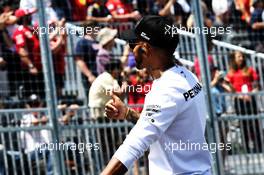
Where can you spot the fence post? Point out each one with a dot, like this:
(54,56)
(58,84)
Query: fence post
(202,55)
(51,99)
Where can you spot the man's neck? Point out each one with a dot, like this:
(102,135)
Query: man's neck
(157,73)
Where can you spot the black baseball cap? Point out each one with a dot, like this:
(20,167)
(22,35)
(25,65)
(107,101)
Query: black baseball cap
(158,31)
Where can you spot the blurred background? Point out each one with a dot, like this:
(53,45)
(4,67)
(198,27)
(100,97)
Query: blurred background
(59,59)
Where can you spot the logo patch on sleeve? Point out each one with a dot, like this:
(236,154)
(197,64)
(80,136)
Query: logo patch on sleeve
(192,92)
(152,109)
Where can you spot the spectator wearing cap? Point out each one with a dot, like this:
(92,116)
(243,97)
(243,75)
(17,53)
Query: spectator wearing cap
(34,141)
(50,14)
(122,10)
(106,39)
(98,12)
(28,48)
(85,57)
(221,11)
(104,84)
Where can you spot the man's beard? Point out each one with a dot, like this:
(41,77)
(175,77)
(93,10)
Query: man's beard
(139,63)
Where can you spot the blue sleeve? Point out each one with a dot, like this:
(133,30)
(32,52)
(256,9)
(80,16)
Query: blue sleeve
(79,49)
(255,17)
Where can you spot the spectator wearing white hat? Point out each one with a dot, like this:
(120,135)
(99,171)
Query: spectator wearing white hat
(49,11)
(106,39)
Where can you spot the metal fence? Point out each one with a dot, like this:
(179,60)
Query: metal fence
(86,144)
(240,123)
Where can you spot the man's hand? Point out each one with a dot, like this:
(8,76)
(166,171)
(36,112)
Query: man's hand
(115,108)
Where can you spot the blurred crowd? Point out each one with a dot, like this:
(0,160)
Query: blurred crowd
(102,70)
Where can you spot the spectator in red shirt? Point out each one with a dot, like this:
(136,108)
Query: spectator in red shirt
(139,86)
(244,79)
(197,69)
(28,48)
(122,10)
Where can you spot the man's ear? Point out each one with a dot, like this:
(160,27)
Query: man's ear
(146,49)
(141,50)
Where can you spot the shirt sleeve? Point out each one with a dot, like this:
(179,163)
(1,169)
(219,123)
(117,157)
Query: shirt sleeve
(79,49)
(160,110)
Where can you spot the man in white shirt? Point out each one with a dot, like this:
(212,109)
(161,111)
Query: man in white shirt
(174,110)
(101,87)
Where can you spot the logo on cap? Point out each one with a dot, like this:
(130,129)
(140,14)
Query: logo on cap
(144,35)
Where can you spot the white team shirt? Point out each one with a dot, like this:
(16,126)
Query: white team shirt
(174,113)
